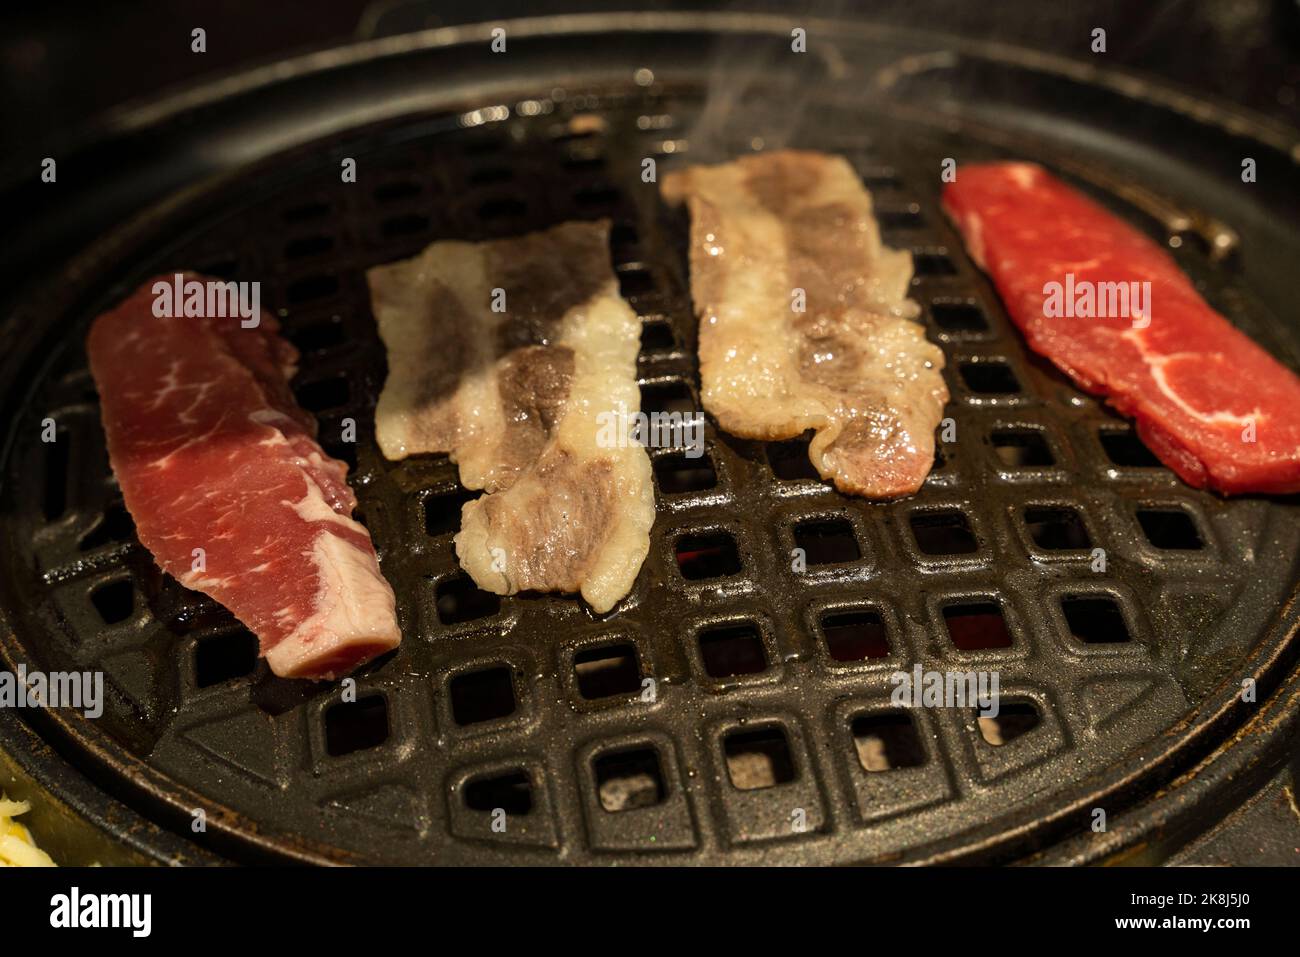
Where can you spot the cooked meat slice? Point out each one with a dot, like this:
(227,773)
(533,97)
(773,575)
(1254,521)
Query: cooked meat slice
(1214,406)
(515,394)
(805,321)
(229,490)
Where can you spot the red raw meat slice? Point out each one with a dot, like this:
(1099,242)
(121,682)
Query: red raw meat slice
(1214,406)
(211,451)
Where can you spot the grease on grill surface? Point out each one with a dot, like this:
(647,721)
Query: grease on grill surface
(525,737)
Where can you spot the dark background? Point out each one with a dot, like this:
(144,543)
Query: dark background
(65,62)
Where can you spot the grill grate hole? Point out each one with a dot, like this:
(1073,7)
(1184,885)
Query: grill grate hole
(459,600)
(1056,528)
(442,512)
(489,175)
(56,476)
(907,218)
(1022,448)
(657,337)
(827,541)
(887,741)
(1094,620)
(708,555)
(1014,719)
(855,635)
(357,726)
(1170,529)
(732,650)
(308,246)
(114,600)
(225,658)
(789,459)
(958,317)
(305,212)
(667,397)
(584,164)
(989,378)
(1123,447)
(943,533)
(502,209)
(408,224)
(479,696)
(678,473)
(635,281)
(511,792)
(114,526)
(311,287)
(395,191)
(319,336)
(596,197)
(881,180)
(629,780)
(623,235)
(607,672)
(758,759)
(932,264)
(323,394)
(975,626)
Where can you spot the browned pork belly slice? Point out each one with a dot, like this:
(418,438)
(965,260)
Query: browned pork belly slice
(805,321)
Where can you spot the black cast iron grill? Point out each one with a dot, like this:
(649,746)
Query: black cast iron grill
(730,709)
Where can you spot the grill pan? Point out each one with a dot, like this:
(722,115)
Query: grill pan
(1120,687)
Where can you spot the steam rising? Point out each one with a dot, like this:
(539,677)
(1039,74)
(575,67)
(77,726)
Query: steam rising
(760,90)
